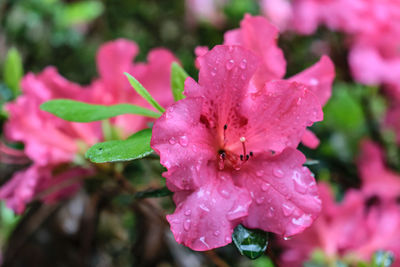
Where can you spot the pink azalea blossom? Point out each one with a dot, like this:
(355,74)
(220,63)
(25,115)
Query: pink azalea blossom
(50,141)
(338,229)
(116,57)
(365,221)
(258,35)
(278,12)
(210,11)
(231,153)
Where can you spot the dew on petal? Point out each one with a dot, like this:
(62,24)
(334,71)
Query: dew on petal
(216,233)
(214,72)
(287,209)
(183,140)
(265,187)
(260,200)
(229,65)
(304,220)
(238,212)
(278,172)
(186,225)
(228,239)
(314,82)
(243,64)
(260,173)
(204,208)
(172,140)
(188,212)
(299,184)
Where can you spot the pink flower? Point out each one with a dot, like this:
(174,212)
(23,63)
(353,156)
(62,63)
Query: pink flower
(278,12)
(338,229)
(377,179)
(39,182)
(231,153)
(50,141)
(116,57)
(365,221)
(258,35)
(210,11)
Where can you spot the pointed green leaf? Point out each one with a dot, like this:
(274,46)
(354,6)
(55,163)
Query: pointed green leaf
(178,77)
(250,242)
(13,70)
(71,110)
(136,146)
(80,12)
(143,92)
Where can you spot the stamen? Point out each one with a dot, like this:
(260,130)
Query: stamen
(247,157)
(241,157)
(225,127)
(222,156)
(251,153)
(243,140)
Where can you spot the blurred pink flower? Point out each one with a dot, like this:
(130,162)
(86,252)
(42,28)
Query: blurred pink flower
(231,153)
(258,35)
(210,11)
(278,12)
(365,221)
(50,141)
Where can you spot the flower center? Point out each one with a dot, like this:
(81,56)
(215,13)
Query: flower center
(231,158)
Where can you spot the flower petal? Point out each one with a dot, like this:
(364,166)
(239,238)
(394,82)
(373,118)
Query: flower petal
(260,36)
(280,116)
(205,219)
(183,143)
(285,194)
(318,78)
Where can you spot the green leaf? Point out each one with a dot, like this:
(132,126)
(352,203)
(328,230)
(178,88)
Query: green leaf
(80,12)
(382,258)
(263,261)
(136,146)
(250,242)
(13,70)
(161,192)
(178,77)
(143,92)
(72,110)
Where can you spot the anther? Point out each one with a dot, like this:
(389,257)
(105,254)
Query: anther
(225,126)
(247,157)
(241,157)
(251,153)
(243,140)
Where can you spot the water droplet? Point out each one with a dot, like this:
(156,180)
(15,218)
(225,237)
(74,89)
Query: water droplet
(183,140)
(230,64)
(265,187)
(216,233)
(270,212)
(188,212)
(314,82)
(304,220)
(214,72)
(186,225)
(260,200)
(287,209)
(230,48)
(243,64)
(204,208)
(286,238)
(243,77)
(299,184)
(172,141)
(260,173)
(194,148)
(225,193)
(278,172)
(228,239)
(238,212)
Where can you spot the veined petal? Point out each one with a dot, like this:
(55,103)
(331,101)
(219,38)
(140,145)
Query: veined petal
(318,78)
(285,194)
(260,36)
(183,143)
(205,219)
(280,116)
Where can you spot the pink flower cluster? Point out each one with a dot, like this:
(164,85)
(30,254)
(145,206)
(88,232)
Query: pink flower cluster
(365,221)
(230,145)
(51,142)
